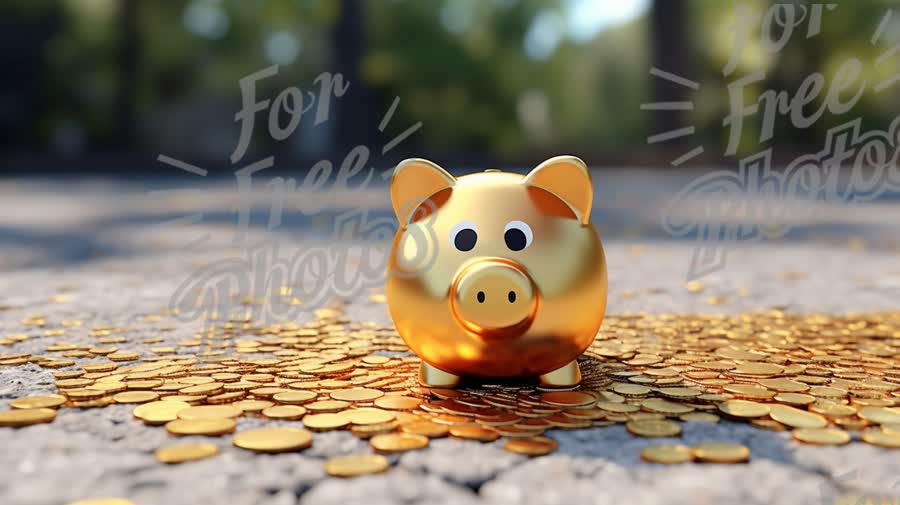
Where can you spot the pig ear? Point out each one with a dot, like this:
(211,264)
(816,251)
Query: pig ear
(413,182)
(568,178)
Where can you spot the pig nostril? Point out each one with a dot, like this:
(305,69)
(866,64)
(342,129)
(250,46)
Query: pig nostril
(512,297)
(480,297)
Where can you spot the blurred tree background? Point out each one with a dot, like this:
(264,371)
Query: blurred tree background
(104,84)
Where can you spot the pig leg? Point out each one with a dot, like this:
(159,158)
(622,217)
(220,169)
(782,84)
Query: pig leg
(567,376)
(431,376)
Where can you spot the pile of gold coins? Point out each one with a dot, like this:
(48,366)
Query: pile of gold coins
(829,380)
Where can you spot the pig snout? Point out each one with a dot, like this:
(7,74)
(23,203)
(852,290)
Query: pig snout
(494,298)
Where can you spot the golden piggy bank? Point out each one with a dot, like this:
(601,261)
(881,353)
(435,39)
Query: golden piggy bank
(515,279)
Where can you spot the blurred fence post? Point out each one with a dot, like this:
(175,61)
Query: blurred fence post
(129,61)
(353,111)
(670,53)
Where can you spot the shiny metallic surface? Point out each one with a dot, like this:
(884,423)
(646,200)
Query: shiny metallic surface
(491,311)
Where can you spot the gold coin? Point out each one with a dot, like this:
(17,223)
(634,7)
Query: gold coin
(356,394)
(749,391)
(73,383)
(618,408)
(653,428)
(832,409)
(284,412)
(252,405)
(135,397)
(699,417)
(426,428)
(160,412)
(210,412)
(721,453)
(880,415)
(667,454)
(326,421)
(353,466)
(680,393)
(474,433)
(224,398)
(757,368)
(768,424)
(368,416)
(828,392)
(568,398)
(26,417)
(821,436)
(665,406)
(795,398)
(185,452)
(783,385)
(531,446)
(389,443)
(294,397)
(210,388)
(397,402)
(743,409)
(366,431)
(881,438)
(38,402)
(327,406)
(631,390)
(209,427)
(796,418)
(273,440)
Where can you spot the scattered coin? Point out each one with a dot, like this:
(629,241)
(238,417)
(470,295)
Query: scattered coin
(699,417)
(353,466)
(324,422)
(721,453)
(356,394)
(880,415)
(426,428)
(368,416)
(653,428)
(531,446)
(38,402)
(821,436)
(160,412)
(568,398)
(209,427)
(273,440)
(667,454)
(796,418)
(293,397)
(210,412)
(390,443)
(25,417)
(284,412)
(474,433)
(881,438)
(185,452)
(743,409)
(135,397)
(397,402)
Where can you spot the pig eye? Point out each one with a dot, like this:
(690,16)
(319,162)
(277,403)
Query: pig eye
(464,236)
(517,235)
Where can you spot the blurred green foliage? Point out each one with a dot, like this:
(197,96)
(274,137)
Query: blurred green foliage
(469,79)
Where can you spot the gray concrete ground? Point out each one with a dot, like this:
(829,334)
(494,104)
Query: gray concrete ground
(101,244)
